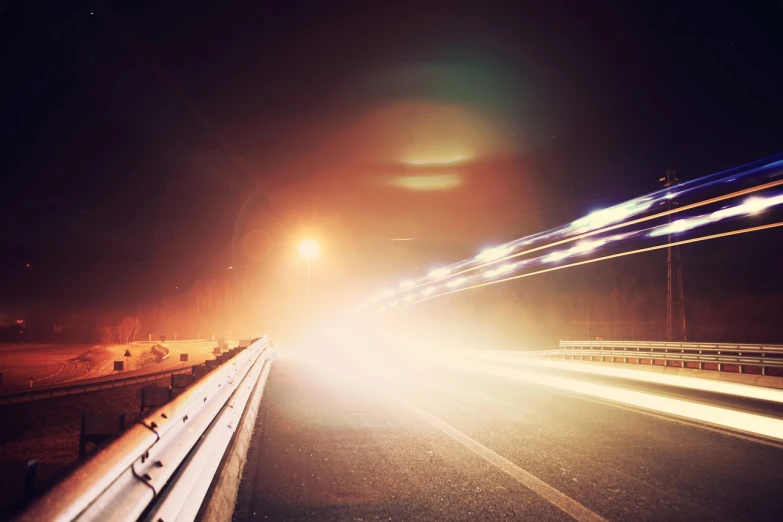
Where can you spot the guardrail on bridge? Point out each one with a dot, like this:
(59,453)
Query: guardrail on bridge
(162,467)
(703,356)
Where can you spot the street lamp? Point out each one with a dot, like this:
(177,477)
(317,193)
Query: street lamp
(308,249)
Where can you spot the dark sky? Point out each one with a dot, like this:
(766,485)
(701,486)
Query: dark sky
(140,139)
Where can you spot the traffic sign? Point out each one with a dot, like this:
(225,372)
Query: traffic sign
(127,353)
(183,357)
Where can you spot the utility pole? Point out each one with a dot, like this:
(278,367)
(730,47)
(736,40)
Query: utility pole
(675,295)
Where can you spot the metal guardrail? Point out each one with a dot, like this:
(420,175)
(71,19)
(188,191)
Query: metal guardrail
(149,463)
(86,385)
(712,354)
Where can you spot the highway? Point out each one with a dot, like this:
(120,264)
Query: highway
(401,442)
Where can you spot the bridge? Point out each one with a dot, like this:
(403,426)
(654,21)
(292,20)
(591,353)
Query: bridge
(355,426)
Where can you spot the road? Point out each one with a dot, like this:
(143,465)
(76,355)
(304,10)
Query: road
(344,443)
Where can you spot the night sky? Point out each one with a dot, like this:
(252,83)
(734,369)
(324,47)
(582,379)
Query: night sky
(147,144)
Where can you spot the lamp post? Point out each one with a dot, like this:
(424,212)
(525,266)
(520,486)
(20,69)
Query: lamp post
(308,249)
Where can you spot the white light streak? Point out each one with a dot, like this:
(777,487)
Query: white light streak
(501,270)
(556,256)
(732,419)
(611,215)
(587,246)
(457,282)
(493,253)
(440,273)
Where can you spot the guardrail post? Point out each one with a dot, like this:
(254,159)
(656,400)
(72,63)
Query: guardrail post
(739,366)
(720,364)
(30,471)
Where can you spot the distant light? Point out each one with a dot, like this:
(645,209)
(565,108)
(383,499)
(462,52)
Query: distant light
(670,195)
(457,282)
(27,265)
(308,249)
(494,253)
(230,268)
(439,273)
(406,285)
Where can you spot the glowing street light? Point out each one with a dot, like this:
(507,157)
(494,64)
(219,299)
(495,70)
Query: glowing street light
(309,250)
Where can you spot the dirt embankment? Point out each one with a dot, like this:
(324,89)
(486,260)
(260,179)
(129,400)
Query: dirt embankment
(141,356)
(151,355)
(100,359)
(28,366)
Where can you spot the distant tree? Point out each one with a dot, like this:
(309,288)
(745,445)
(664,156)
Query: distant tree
(108,335)
(128,328)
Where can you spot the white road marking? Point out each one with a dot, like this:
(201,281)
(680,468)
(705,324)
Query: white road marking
(554,496)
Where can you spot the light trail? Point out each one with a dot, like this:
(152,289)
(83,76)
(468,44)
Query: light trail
(735,420)
(680,381)
(604,258)
(629,223)
(451,273)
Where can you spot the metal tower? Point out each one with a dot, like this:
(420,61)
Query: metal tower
(675,296)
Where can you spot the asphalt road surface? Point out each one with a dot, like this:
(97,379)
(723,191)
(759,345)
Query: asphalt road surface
(337,443)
